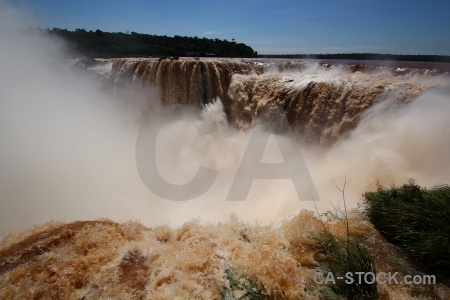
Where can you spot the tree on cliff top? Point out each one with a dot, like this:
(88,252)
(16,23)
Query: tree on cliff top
(117,44)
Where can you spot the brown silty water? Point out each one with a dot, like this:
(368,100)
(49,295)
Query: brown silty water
(359,119)
(321,100)
(103,259)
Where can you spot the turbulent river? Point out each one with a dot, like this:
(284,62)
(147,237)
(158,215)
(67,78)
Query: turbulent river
(71,151)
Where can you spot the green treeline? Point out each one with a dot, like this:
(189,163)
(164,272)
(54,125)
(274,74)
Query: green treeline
(117,44)
(366,56)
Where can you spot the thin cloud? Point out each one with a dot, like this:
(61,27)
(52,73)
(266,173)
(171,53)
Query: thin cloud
(209,32)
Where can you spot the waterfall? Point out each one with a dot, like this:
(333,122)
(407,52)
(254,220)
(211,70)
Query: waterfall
(321,102)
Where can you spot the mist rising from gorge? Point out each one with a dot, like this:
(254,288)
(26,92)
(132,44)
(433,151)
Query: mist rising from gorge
(68,147)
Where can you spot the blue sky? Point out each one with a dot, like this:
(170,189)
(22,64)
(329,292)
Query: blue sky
(268,26)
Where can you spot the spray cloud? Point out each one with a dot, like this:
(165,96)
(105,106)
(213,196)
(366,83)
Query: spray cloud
(68,150)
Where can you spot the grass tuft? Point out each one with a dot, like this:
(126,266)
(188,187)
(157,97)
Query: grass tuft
(343,258)
(348,258)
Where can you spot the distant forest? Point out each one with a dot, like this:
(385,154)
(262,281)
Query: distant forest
(367,56)
(118,44)
(131,44)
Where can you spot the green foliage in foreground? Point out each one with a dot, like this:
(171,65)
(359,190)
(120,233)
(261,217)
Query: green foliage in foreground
(415,219)
(351,256)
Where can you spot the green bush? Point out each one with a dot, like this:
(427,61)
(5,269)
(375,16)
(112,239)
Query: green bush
(415,219)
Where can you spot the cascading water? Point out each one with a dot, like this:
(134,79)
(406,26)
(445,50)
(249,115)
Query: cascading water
(68,153)
(193,82)
(320,103)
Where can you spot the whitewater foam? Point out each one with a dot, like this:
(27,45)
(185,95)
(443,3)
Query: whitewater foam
(69,149)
